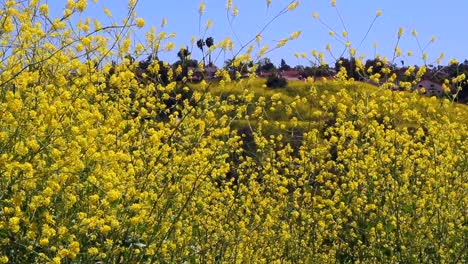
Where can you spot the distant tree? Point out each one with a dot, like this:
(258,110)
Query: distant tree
(462,94)
(322,71)
(201,45)
(189,63)
(402,75)
(144,64)
(243,68)
(316,71)
(185,62)
(209,43)
(454,70)
(159,77)
(265,65)
(350,66)
(299,68)
(183,55)
(376,66)
(275,81)
(307,72)
(284,66)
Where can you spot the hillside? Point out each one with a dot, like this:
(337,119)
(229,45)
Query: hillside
(235,172)
(110,155)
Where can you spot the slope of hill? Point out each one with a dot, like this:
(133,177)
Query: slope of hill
(315,172)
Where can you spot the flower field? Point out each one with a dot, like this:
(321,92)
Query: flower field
(100,165)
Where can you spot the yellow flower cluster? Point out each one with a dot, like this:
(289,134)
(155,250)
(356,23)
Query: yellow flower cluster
(98,164)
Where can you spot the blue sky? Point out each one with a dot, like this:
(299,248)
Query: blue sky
(442,19)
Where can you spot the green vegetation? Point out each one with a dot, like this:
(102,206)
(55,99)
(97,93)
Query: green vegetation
(274,81)
(107,159)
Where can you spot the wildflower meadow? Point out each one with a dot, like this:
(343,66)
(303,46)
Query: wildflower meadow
(110,155)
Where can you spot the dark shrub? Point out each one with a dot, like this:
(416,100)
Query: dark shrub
(275,81)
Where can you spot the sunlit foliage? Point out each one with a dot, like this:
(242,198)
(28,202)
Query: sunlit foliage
(102,162)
